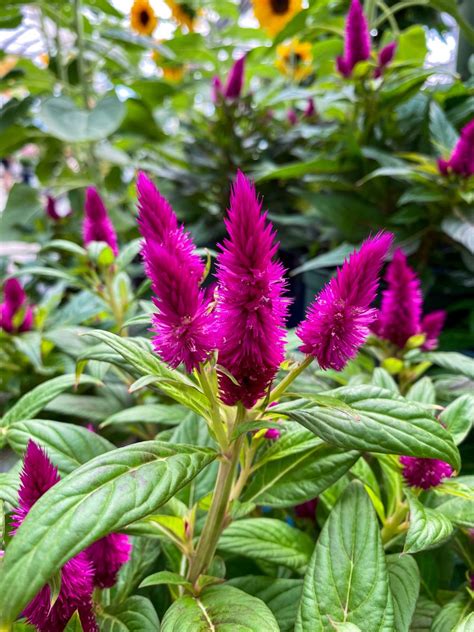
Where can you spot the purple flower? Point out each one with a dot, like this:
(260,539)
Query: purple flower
(462,157)
(217,89)
(183,325)
(272,433)
(51,208)
(431,326)
(235,80)
(337,322)
(385,57)
(357,40)
(307,509)
(107,557)
(16,315)
(97,225)
(251,308)
(424,473)
(292,117)
(400,311)
(310,109)
(37,476)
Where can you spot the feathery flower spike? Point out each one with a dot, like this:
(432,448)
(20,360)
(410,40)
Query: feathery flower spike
(235,80)
(431,326)
(462,157)
(97,225)
(338,320)
(51,208)
(15,301)
(424,473)
(251,308)
(183,324)
(385,57)
(356,41)
(107,557)
(37,476)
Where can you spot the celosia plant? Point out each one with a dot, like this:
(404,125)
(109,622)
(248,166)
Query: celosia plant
(295,451)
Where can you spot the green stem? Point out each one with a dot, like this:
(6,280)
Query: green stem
(80,52)
(216,421)
(286,381)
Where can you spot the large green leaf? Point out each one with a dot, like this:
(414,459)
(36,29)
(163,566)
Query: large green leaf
(102,496)
(148,413)
(428,527)
(219,609)
(458,505)
(443,134)
(34,401)
(135,614)
(458,417)
(404,581)
(466,625)
(68,446)
(452,614)
(424,614)
(380,422)
(454,362)
(281,596)
(269,540)
(64,120)
(347,580)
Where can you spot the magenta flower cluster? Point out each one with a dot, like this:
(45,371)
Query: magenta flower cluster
(400,315)
(234,84)
(461,160)
(424,473)
(97,225)
(16,315)
(97,566)
(357,45)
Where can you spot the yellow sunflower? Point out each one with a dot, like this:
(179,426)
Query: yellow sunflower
(142,17)
(295,59)
(183,13)
(172,71)
(274,15)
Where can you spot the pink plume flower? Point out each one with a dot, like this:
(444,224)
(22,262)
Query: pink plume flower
(357,40)
(424,473)
(217,89)
(272,434)
(310,109)
(292,117)
(432,325)
(183,324)
(251,308)
(15,302)
(400,312)
(37,476)
(51,208)
(107,557)
(385,57)
(97,225)
(337,322)
(462,158)
(235,80)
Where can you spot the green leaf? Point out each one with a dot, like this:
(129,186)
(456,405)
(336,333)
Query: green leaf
(299,476)
(380,422)
(281,596)
(67,445)
(347,579)
(34,401)
(135,614)
(454,362)
(404,582)
(165,577)
(22,207)
(269,540)
(442,132)
(428,527)
(145,552)
(330,259)
(149,413)
(382,378)
(452,614)
(424,614)
(458,507)
(458,417)
(64,120)
(422,391)
(219,609)
(102,496)
(466,625)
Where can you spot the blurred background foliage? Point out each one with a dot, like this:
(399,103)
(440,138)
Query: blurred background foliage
(99,96)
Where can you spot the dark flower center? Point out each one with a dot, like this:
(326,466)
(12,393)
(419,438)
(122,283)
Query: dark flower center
(280,6)
(144,17)
(295,59)
(186,8)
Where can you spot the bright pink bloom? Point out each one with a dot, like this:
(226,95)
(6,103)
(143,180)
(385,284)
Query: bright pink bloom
(107,557)
(235,80)
(402,301)
(337,322)
(424,473)
(462,158)
(97,225)
(357,40)
(51,208)
(183,323)
(310,109)
(37,476)
(431,326)
(292,116)
(251,308)
(307,509)
(15,302)
(217,89)
(272,433)
(386,55)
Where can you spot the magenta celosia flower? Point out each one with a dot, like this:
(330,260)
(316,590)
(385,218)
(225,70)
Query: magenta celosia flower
(337,322)
(183,324)
(107,557)
(16,315)
(217,89)
(97,225)
(51,208)
(251,308)
(292,116)
(357,40)
(400,311)
(471,580)
(272,434)
(461,161)
(386,55)
(307,509)
(37,476)
(235,80)
(424,473)
(431,326)
(310,109)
